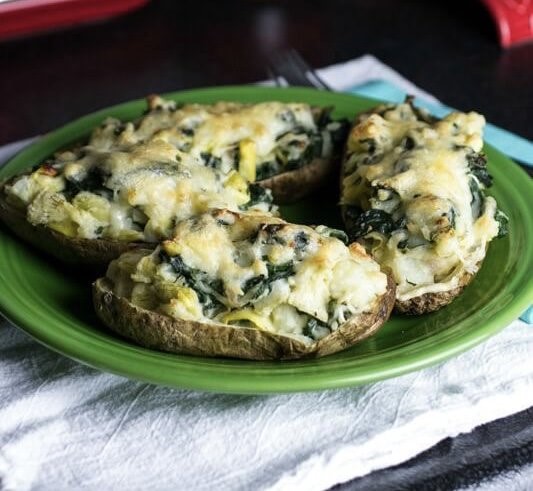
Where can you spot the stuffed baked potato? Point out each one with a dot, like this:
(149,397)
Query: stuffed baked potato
(246,286)
(412,192)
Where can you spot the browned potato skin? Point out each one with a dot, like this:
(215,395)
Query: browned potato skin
(291,186)
(430,302)
(161,332)
(73,250)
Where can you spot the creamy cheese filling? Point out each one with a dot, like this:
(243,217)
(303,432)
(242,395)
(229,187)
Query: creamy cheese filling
(137,194)
(413,190)
(257,140)
(253,271)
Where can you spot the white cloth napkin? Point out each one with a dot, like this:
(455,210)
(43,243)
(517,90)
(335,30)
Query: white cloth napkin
(65,426)
(344,76)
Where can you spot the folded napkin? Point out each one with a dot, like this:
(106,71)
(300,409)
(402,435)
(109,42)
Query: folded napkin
(66,426)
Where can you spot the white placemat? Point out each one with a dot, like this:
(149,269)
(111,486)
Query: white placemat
(65,426)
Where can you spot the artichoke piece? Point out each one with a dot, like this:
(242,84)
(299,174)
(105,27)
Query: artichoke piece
(248,160)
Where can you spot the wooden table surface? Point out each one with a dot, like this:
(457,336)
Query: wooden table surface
(448,48)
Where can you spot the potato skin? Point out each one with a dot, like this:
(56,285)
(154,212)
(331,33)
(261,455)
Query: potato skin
(161,332)
(430,302)
(348,224)
(291,186)
(72,250)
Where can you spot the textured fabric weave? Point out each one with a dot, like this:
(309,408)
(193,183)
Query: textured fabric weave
(64,426)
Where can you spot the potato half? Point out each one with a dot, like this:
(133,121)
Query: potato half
(430,302)
(161,332)
(232,300)
(289,148)
(413,193)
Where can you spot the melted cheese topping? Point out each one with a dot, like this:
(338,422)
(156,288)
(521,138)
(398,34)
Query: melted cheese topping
(132,181)
(415,176)
(254,271)
(227,135)
(260,124)
(133,193)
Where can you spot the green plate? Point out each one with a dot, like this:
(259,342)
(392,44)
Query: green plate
(53,304)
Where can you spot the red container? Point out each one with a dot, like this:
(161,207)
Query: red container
(514,19)
(23,17)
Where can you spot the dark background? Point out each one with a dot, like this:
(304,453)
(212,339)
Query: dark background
(448,48)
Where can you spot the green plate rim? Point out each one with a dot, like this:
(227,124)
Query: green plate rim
(122,358)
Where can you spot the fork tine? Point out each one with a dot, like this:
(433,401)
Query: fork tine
(275,76)
(283,66)
(311,74)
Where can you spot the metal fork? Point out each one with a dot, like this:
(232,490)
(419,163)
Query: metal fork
(289,68)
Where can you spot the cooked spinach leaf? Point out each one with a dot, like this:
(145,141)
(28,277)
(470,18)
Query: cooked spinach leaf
(421,114)
(204,286)
(254,288)
(408,143)
(503,223)
(279,271)
(93,182)
(210,160)
(316,329)
(403,244)
(477,200)
(295,151)
(258,194)
(370,221)
(164,169)
(477,164)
